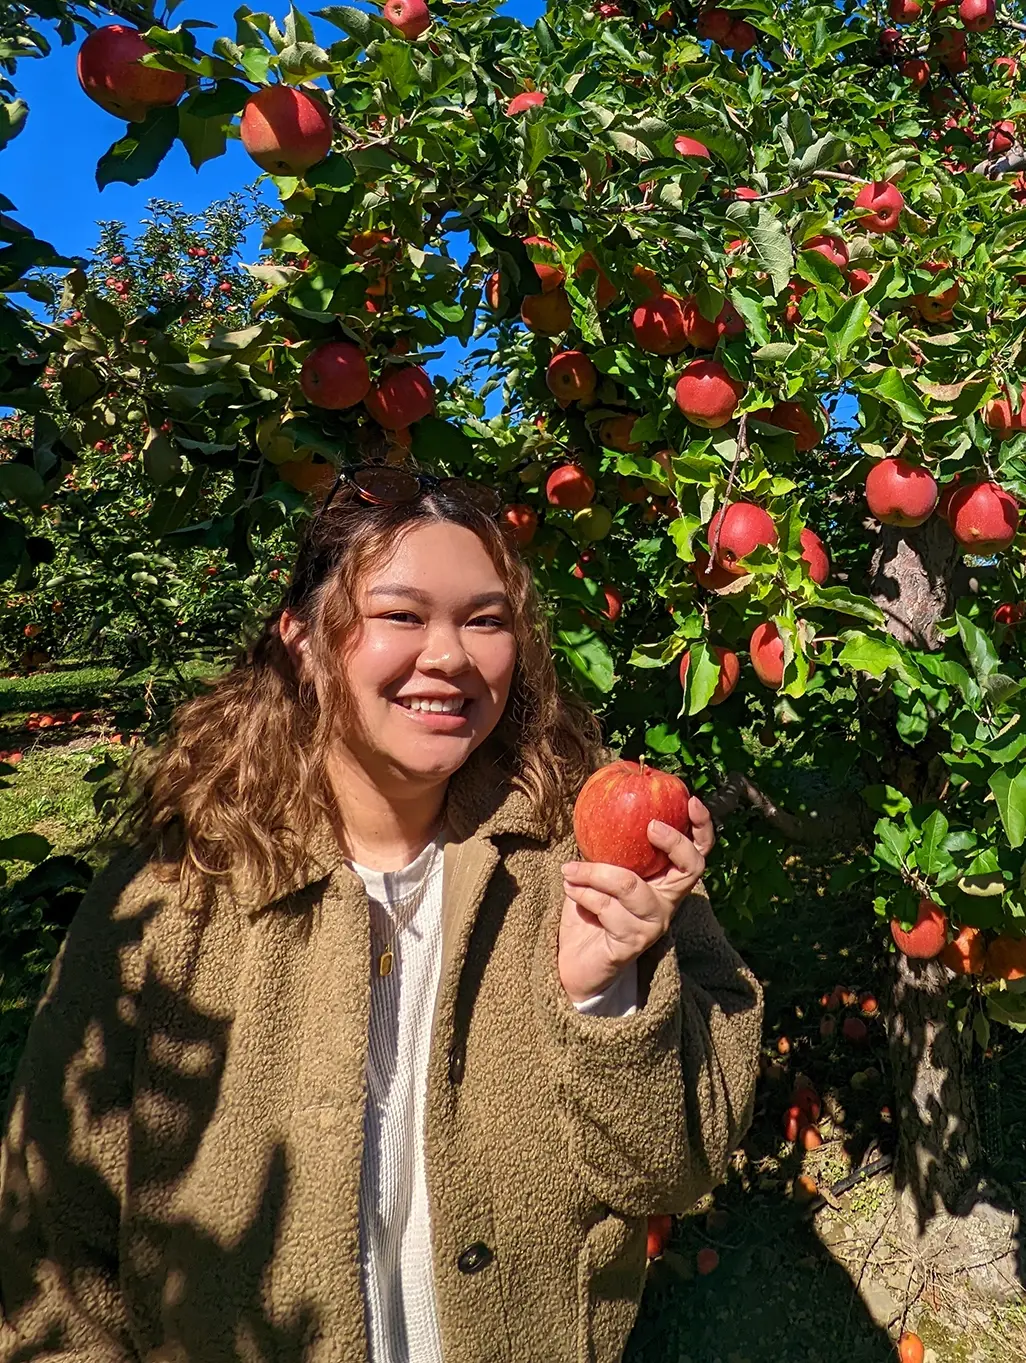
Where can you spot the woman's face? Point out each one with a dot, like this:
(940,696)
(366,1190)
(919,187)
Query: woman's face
(436,623)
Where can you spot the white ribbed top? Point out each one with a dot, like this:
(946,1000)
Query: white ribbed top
(395,1230)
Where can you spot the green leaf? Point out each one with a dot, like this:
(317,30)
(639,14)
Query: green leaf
(886,799)
(20,483)
(227,97)
(138,154)
(931,855)
(203,138)
(768,236)
(978,647)
(363,27)
(825,151)
(334,172)
(848,325)
(1010,794)
(889,387)
(662,739)
(589,655)
(397,66)
(841,599)
(12,546)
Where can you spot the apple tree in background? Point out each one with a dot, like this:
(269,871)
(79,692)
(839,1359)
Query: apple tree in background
(745,287)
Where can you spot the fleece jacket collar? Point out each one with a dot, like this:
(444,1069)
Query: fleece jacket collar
(482,802)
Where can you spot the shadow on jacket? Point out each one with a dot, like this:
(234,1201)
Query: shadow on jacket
(179,1176)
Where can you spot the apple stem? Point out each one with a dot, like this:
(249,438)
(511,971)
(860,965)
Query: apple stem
(641,763)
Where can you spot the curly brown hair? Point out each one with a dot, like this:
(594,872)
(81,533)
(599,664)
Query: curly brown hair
(239,782)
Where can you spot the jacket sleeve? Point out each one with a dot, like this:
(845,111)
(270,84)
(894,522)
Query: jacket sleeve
(64,1150)
(656,1101)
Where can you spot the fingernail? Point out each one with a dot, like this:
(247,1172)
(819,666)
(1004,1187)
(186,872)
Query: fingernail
(569,866)
(657,826)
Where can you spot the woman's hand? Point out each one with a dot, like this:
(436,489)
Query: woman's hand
(610,915)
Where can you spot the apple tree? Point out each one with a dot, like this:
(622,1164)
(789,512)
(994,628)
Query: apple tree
(740,291)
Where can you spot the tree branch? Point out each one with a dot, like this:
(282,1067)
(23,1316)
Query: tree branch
(737,788)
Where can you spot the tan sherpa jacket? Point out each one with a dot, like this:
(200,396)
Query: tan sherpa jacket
(180,1172)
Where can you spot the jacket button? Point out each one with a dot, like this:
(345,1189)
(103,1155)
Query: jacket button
(476,1257)
(457,1060)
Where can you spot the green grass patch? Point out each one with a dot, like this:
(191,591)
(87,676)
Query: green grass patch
(90,686)
(49,795)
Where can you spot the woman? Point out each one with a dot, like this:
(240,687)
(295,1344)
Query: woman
(344,1056)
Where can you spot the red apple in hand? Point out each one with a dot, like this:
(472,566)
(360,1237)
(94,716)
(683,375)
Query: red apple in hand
(615,807)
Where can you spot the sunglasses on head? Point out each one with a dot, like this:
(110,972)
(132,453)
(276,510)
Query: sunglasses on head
(382,486)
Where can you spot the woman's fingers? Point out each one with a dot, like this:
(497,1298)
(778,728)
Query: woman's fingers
(703,835)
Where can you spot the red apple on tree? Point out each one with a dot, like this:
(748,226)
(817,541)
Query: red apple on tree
(830,247)
(527,99)
(691,147)
(606,291)
(983,517)
(711,575)
(616,805)
(766,649)
(815,555)
(520,522)
(900,493)
(881,203)
(977,15)
(738,529)
(569,487)
(111,73)
(904,11)
(402,397)
(410,17)
(927,938)
(285,130)
(571,376)
(335,376)
(707,395)
(703,334)
(547,313)
(659,326)
(793,417)
(550,276)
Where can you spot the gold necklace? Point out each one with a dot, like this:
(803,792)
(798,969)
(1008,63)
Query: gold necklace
(387,957)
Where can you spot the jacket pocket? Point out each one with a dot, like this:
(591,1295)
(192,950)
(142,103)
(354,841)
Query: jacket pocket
(610,1281)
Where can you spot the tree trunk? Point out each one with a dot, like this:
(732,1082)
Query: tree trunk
(939,1150)
(950,1217)
(910,576)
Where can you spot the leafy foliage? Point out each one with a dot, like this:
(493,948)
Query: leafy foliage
(883,342)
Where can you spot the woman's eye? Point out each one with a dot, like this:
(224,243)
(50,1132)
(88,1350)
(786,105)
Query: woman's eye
(409,615)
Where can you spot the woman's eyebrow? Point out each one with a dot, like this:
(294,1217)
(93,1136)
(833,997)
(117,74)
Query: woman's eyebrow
(415,594)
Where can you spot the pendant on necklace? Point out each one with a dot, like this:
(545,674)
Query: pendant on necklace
(385,962)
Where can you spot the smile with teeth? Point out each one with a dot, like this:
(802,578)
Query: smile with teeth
(437,707)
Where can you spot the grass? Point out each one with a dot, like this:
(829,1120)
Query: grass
(50,796)
(80,685)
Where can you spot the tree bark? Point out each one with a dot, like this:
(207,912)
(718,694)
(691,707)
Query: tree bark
(939,1150)
(910,575)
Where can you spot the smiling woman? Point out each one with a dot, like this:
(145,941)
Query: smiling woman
(320,1070)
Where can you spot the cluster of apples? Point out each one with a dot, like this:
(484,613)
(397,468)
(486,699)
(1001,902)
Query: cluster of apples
(60,720)
(853,1027)
(947,48)
(983,516)
(286,130)
(967,953)
(335,376)
(801,1120)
